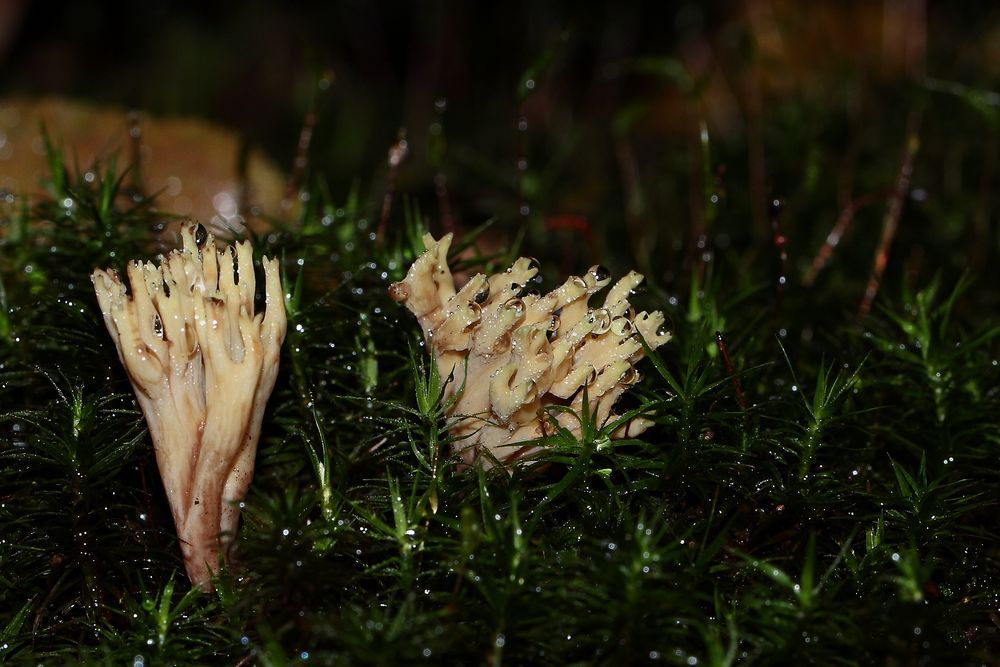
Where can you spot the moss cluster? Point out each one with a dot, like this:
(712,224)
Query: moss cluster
(813,489)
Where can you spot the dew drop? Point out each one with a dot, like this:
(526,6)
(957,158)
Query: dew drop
(515,304)
(640,288)
(602,319)
(631,376)
(621,327)
(600,275)
(200,234)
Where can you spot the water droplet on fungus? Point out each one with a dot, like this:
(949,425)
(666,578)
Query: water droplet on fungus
(600,274)
(602,319)
(516,305)
(512,372)
(200,234)
(640,287)
(621,327)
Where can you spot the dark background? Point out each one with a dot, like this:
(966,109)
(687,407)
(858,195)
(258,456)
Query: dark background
(803,103)
(253,65)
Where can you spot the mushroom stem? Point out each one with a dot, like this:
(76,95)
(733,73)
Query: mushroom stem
(202,365)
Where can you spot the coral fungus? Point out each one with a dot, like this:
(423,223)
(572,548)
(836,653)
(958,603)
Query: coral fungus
(514,353)
(202,365)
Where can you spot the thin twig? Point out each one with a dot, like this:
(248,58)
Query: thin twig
(892,213)
(780,242)
(701,191)
(700,181)
(397,153)
(840,228)
(444,202)
(301,162)
(720,342)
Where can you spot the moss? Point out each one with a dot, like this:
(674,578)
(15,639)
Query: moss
(822,490)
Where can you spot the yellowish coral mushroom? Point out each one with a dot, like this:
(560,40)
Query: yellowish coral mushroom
(520,352)
(202,365)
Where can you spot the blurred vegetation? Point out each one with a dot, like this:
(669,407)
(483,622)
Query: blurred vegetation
(821,483)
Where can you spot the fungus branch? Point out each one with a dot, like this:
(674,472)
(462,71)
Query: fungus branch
(202,365)
(526,351)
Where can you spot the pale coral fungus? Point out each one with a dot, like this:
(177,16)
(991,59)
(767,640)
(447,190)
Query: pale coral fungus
(202,365)
(514,353)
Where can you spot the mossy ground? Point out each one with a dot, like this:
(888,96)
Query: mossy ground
(820,486)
